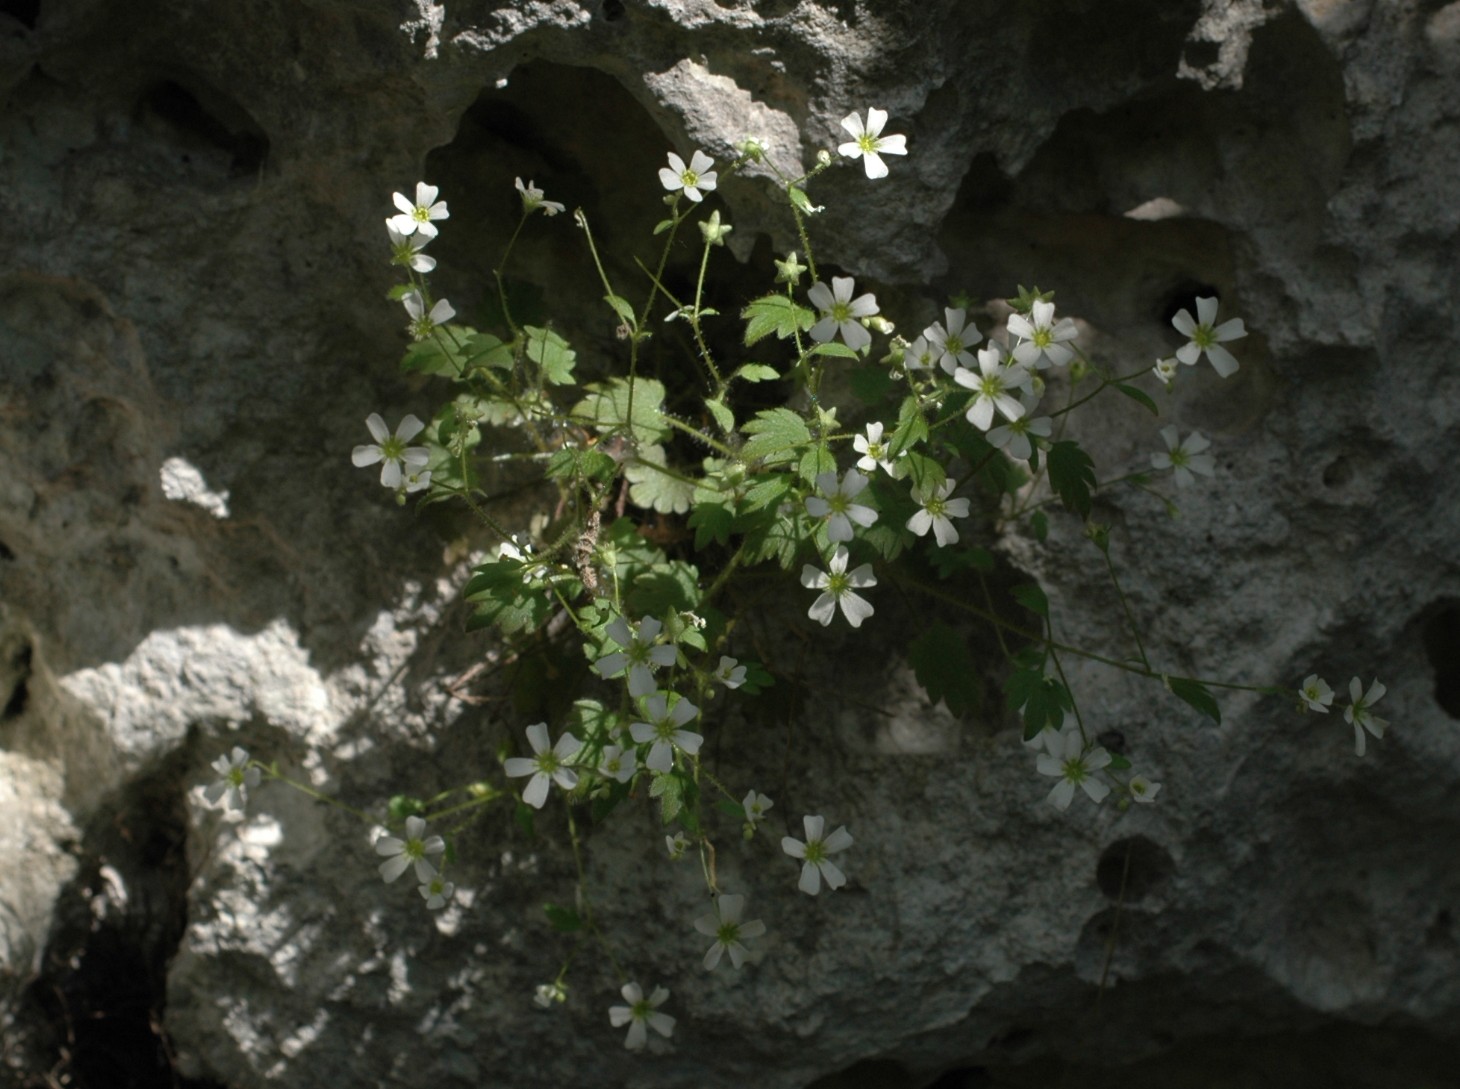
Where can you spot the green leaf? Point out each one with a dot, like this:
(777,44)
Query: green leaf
(1072,475)
(484,351)
(711,522)
(663,225)
(756,372)
(652,487)
(723,416)
(1039,525)
(1044,700)
(923,474)
(1032,598)
(775,314)
(563,919)
(550,352)
(579,463)
(437,355)
(1196,694)
(775,433)
(834,348)
(766,492)
(1118,763)
(672,587)
(911,429)
(606,409)
(669,789)
(871,383)
(814,462)
(622,308)
(1139,397)
(500,596)
(945,668)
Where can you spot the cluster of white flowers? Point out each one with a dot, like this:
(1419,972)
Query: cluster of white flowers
(1068,757)
(1316,695)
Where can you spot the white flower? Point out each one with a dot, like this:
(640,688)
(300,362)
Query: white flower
(936,512)
(725,927)
(1165,370)
(423,324)
(639,1013)
(664,729)
(755,806)
(618,764)
(437,892)
(868,142)
(234,776)
(1043,337)
(839,312)
(993,387)
(920,355)
(1184,457)
(1358,715)
(532,200)
(836,506)
(1208,338)
(729,672)
(418,481)
(815,863)
(1012,437)
(1142,790)
(640,654)
(693,178)
(403,853)
(1315,695)
(874,451)
(545,994)
(416,218)
(406,249)
(548,764)
(512,552)
(837,585)
(400,460)
(952,340)
(1068,761)
(676,845)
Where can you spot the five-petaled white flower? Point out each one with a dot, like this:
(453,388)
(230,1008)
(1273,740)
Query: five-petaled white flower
(234,776)
(615,763)
(693,178)
(1142,790)
(400,460)
(815,864)
(406,250)
(1165,370)
(993,385)
(874,451)
(532,200)
(641,1014)
(437,892)
(1184,457)
(1012,436)
(665,730)
(1315,695)
(1043,338)
(869,144)
(1358,714)
(920,355)
(836,506)
(1206,337)
(724,925)
(836,585)
(423,324)
(1069,761)
(840,312)
(729,672)
(639,654)
(936,512)
(547,765)
(676,845)
(952,339)
(403,853)
(755,806)
(545,994)
(417,218)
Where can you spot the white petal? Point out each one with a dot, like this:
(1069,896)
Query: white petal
(892,145)
(810,882)
(876,168)
(822,610)
(855,335)
(1184,323)
(920,523)
(393,868)
(712,958)
(852,122)
(378,431)
(537,737)
(876,119)
(835,879)
(537,791)
(409,427)
(661,756)
(793,847)
(366,455)
(1223,361)
(1206,310)
(839,840)
(689,741)
(637,1037)
(517,766)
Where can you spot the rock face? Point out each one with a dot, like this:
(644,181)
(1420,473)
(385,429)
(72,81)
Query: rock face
(192,329)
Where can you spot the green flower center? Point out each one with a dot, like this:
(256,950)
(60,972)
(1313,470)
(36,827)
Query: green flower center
(992,385)
(867,143)
(690,179)
(1138,788)
(841,312)
(815,852)
(1042,338)
(728,933)
(421,214)
(953,345)
(641,1009)
(415,849)
(1204,336)
(421,327)
(664,729)
(235,777)
(837,583)
(1075,770)
(934,507)
(392,449)
(548,762)
(838,503)
(876,451)
(1179,457)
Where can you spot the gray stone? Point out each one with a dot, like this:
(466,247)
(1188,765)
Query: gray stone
(193,328)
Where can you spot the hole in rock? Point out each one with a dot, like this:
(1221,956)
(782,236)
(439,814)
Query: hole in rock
(5,552)
(1202,54)
(25,12)
(963,1077)
(1113,742)
(1183,297)
(867,1074)
(1442,646)
(205,127)
(1151,865)
(613,9)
